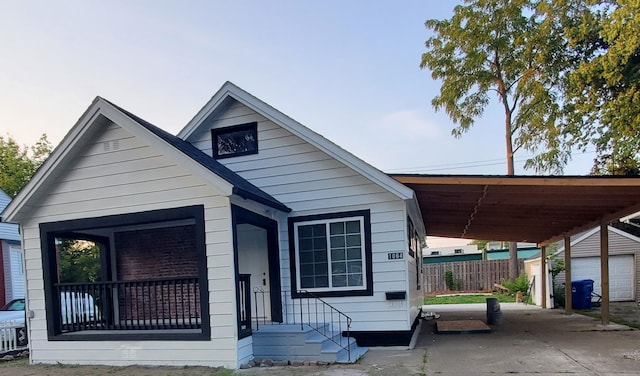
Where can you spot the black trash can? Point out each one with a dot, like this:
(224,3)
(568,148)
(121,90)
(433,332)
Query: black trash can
(494,315)
(581,293)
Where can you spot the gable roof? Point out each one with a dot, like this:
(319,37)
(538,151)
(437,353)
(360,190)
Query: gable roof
(596,230)
(241,186)
(230,90)
(100,109)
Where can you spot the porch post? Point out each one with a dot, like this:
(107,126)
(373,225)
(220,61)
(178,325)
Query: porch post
(543,272)
(604,272)
(568,303)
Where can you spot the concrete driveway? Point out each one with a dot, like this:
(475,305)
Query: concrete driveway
(529,340)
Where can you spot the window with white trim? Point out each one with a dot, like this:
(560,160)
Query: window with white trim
(332,253)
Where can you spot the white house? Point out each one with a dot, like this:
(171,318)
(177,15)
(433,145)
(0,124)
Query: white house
(244,213)
(12,282)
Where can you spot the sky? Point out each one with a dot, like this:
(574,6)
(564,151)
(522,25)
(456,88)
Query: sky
(349,70)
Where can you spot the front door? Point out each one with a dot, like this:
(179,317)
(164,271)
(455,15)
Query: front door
(257,256)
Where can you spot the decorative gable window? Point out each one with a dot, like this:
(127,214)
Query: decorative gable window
(235,141)
(331,254)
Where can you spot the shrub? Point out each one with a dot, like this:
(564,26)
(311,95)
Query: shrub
(520,284)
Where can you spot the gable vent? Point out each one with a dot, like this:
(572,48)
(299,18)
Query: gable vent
(111,145)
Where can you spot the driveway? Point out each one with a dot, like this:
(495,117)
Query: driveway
(529,340)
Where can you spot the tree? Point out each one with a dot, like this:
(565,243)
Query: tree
(496,47)
(19,163)
(601,92)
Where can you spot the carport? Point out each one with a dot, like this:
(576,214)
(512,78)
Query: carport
(537,209)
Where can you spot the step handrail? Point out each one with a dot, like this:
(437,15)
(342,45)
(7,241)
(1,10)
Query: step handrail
(305,294)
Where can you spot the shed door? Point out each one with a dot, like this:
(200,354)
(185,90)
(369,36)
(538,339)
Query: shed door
(621,275)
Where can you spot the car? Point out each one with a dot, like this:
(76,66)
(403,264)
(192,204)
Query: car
(13,315)
(13,311)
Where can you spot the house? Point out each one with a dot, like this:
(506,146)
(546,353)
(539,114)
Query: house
(200,241)
(12,283)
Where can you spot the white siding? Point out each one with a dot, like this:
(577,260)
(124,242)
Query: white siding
(119,174)
(311,182)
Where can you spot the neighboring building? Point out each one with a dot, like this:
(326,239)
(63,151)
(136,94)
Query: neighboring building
(624,262)
(244,210)
(11,261)
(503,254)
(451,254)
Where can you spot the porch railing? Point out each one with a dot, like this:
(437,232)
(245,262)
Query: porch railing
(13,336)
(312,311)
(171,303)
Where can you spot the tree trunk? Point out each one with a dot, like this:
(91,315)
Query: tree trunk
(513,246)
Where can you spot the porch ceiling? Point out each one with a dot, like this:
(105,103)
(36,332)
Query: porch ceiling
(538,209)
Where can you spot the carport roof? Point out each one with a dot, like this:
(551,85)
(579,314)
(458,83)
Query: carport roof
(538,209)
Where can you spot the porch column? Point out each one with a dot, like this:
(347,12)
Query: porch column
(568,304)
(543,272)
(604,272)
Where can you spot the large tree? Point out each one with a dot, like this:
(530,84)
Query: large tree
(19,163)
(601,93)
(494,49)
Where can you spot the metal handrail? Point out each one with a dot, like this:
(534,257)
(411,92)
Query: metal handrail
(340,315)
(315,307)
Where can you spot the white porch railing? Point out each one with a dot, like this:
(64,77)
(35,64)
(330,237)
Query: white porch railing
(13,336)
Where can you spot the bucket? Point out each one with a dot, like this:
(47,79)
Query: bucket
(494,315)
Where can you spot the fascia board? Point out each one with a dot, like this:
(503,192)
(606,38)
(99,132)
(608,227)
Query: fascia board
(53,161)
(229,89)
(102,107)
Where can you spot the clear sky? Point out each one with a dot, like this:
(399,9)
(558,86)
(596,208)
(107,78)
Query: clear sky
(346,69)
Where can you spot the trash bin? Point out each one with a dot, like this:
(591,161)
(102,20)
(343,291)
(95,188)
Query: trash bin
(494,315)
(581,293)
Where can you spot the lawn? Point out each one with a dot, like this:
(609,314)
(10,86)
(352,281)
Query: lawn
(467,299)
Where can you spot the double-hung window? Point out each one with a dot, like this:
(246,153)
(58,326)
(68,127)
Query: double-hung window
(332,253)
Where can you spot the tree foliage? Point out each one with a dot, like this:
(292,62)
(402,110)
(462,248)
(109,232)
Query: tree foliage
(496,47)
(602,85)
(78,261)
(19,163)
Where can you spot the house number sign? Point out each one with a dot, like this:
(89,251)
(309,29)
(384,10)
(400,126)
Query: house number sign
(395,255)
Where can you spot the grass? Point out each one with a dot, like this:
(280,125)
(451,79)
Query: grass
(612,317)
(467,299)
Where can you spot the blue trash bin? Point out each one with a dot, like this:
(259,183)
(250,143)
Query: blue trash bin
(581,293)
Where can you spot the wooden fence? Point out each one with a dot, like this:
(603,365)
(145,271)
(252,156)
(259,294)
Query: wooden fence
(478,275)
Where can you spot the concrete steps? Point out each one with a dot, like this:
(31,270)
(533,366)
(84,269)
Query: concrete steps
(290,342)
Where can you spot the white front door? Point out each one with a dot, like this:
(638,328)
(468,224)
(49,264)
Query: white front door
(253,259)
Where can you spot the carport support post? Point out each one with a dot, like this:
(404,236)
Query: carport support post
(543,273)
(568,304)
(604,272)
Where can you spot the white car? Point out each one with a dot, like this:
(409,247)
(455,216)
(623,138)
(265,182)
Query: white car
(13,314)
(13,311)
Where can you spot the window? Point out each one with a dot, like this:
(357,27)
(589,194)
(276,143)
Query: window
(457,251)
(235,141)
(331,254)
(435,253)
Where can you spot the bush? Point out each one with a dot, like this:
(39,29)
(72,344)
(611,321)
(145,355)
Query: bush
(451,283)
(520,284)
